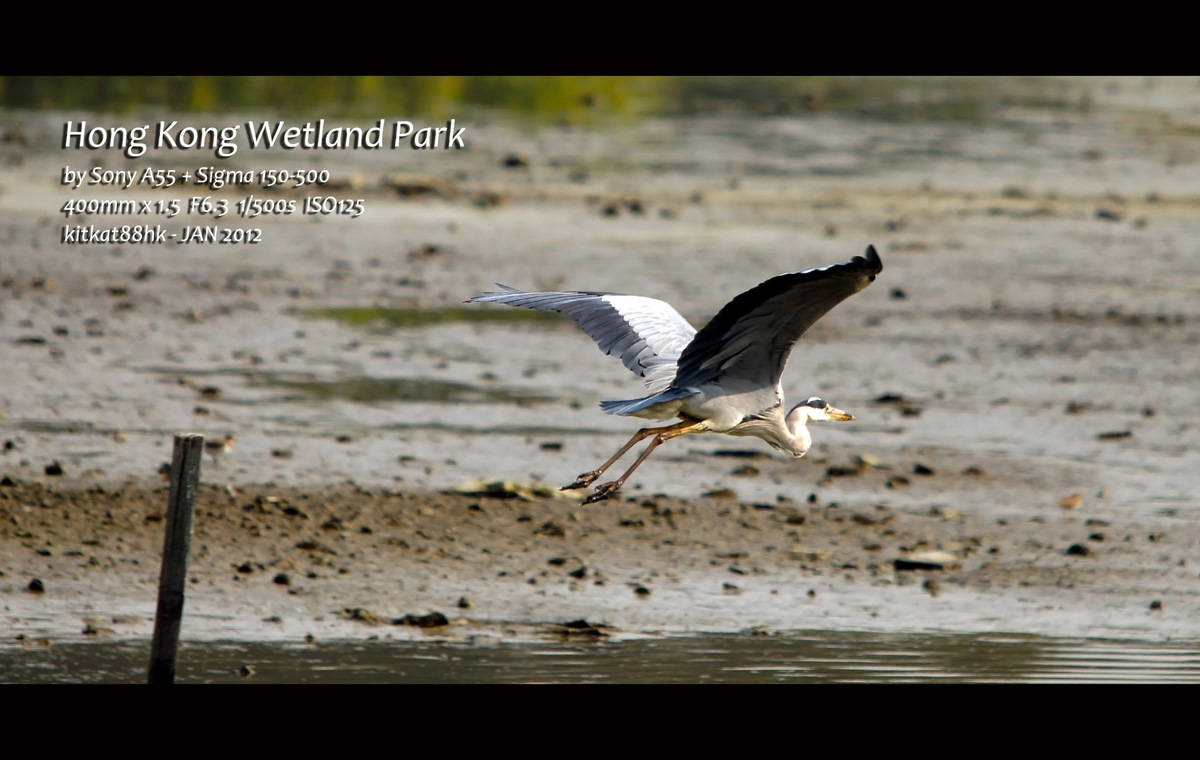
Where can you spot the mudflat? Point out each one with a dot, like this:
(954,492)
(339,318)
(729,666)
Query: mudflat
(1023,375)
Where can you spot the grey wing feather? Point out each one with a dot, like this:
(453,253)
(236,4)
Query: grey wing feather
(646,334)
(751,337)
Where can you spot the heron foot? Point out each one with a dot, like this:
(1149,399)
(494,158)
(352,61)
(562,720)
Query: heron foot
(602,492)
(583,481)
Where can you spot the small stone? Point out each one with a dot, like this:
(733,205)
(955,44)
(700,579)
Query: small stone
(581,627)
(839,471)
(432,620)
(1071,502)
(805,554)
(367,616)
(866,460)
(36,586)
(927,560)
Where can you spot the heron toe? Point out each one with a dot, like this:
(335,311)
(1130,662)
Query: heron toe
(583,481)
(602,492)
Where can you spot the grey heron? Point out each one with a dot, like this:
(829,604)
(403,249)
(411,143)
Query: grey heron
(724,378)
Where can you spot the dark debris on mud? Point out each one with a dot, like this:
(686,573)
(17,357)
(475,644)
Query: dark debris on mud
(332,541)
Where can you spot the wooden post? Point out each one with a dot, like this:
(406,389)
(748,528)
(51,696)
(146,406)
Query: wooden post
(185,478)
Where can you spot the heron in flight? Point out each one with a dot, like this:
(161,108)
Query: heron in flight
(724,378)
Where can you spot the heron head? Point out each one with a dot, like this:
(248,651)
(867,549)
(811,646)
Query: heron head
(813,410)
(818,410)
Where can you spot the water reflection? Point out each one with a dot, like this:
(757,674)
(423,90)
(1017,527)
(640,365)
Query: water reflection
(306,387)
(383,320)
(369,390)
(820,657)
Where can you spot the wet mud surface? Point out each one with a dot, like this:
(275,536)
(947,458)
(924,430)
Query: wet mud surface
(341,562)
(1022,373)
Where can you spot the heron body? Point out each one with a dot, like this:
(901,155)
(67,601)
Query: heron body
(724,378)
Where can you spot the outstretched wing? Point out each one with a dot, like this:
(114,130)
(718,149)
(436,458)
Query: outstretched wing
(646,334)
(752,335)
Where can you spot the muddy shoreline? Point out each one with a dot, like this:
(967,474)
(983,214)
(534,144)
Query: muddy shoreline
(343,562)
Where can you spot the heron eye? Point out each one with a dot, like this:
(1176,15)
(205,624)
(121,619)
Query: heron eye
(816,403)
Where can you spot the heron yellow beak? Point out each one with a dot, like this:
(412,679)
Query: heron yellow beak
(838,415)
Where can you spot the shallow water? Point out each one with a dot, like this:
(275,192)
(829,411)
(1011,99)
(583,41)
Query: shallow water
(382,320)
(816,657)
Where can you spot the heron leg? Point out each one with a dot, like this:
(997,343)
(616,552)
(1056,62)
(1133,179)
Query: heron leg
(663,434)
(587,478)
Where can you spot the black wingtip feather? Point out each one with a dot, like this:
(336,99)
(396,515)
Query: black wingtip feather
(872,258)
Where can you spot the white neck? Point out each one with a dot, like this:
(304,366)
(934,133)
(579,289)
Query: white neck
(796,423)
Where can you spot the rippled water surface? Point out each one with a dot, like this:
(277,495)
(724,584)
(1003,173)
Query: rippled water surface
(819,657)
